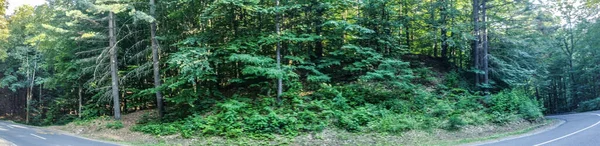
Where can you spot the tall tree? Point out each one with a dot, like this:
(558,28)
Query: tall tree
(278,50)
(479,45)
(114,65)
(155,61)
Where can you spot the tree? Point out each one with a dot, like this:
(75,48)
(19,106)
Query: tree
(480,44)
(155,61)
(278,50)
(114,65)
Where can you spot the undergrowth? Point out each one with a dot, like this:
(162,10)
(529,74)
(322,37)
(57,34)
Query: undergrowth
(380,102)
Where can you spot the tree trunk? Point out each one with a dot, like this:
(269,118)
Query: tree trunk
(278,50)
(80,98)
(443,31)
(114,66)
(486,79)
(475,43)
(434,28)
(407,24)
(40,101)
(319,43)
(28,92)
(155,62)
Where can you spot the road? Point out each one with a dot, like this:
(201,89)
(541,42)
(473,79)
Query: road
(580,129)
(22,135)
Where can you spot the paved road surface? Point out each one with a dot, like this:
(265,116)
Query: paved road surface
(21,135)
(580,129)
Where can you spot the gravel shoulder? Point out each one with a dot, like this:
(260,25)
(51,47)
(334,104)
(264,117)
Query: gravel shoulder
(543,127)
(5,143)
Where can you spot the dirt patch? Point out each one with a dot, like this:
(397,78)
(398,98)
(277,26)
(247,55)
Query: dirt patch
(97,129)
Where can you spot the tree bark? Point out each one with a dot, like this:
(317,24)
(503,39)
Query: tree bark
(155,62)
(486,79)
(434,28)
(278,51)
(319,43)
(80,98)
(475,43)
(28,92)
(407,24)
(443,31)
(114,66)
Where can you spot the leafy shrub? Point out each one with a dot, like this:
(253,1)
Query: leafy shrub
(442,109)
(514,102)
(589,105)
(455,122)
(382,101)
(452,79)
(157,129)
(310,121)
(114,125)
(347,122)
(393,123)
(530,110)
(475,117)
(502,118)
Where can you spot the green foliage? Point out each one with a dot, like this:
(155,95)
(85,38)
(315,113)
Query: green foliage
(158,129)
(114,125)
(455,122)
(589,105)
(393,123)
(505,105)
(344,64)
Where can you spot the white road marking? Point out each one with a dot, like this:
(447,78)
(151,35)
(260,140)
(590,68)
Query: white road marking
(38,136)
(586,128)
(19,126)
(11,127)
(2,129)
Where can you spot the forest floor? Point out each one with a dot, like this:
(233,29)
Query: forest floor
(98,129)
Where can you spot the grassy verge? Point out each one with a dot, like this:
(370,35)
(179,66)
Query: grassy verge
(545,124)
(467,135)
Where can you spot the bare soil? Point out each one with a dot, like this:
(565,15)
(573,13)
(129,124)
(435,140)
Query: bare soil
(97,129)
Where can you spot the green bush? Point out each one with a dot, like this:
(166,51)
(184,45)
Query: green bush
(515,102)
(393,123)
(157,129)
(475,117)
(455,122)
(589,105)
(385,100)
(114,125)
(442,109)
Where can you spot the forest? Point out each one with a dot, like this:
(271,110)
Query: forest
(257,68)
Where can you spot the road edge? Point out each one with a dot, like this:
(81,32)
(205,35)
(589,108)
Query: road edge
(82,137)
(5,142)
(58,131)
(550,124)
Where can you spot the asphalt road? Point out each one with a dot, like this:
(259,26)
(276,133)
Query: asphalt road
(21,135)
(580,129)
